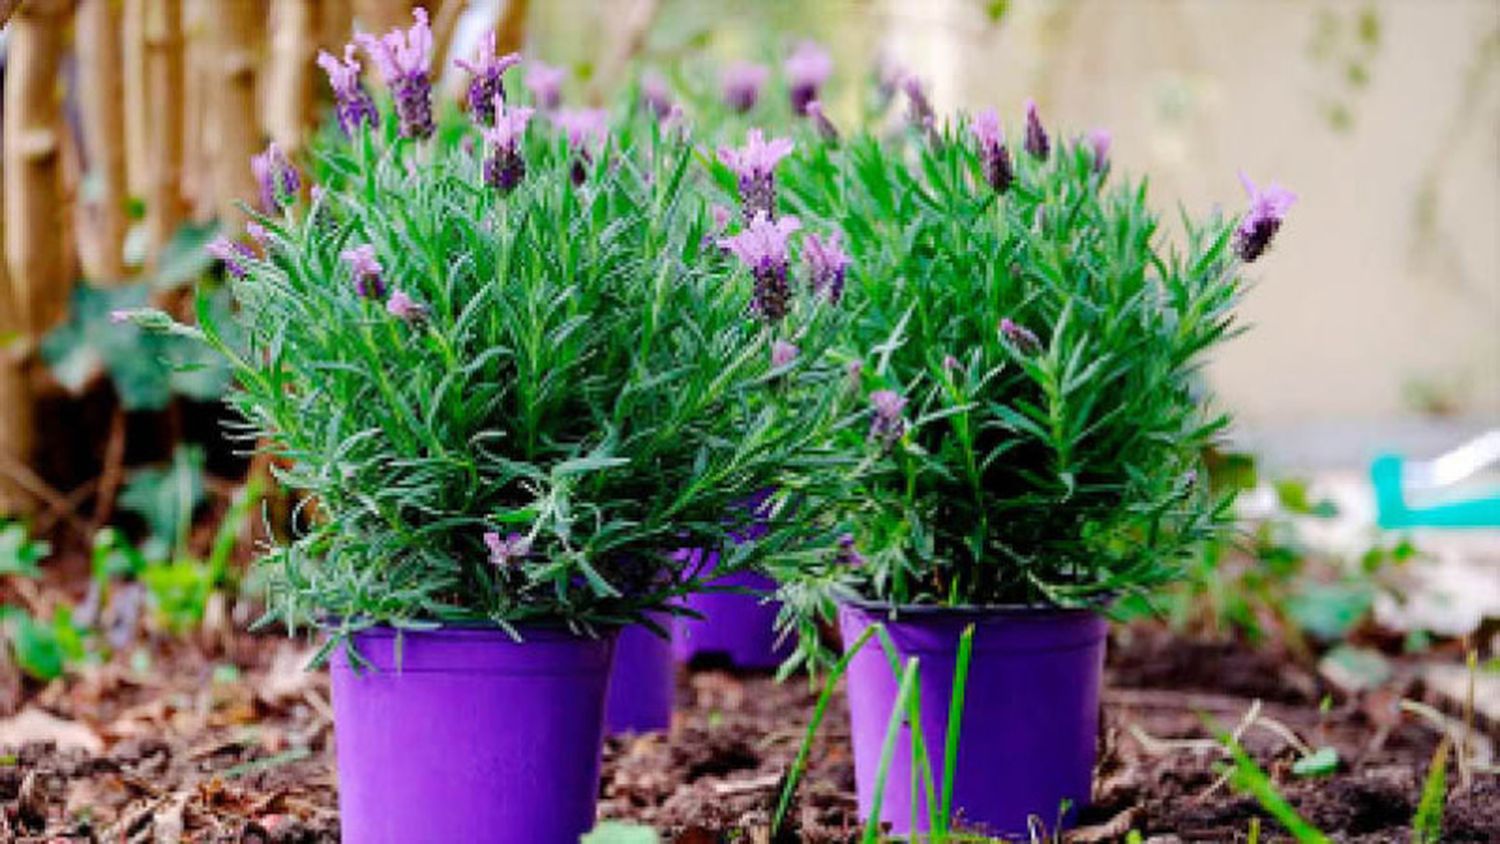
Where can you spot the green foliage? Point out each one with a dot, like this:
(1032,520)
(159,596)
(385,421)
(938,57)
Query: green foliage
(147,369)
(1246,776)
(1319,763)
(19,553)
(586,375)
(43,648)
(166,497)
(1427,826)
(616,832)
(1062,473)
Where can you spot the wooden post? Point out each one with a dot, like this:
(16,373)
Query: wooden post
(164,118)
(101,92)
(231,59)
(510,33)
(289,75)
(36,288)
(137,157)
(335,25)
(381,16)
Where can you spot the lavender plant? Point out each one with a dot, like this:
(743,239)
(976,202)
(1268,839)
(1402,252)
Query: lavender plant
(1028,343)
(512,374)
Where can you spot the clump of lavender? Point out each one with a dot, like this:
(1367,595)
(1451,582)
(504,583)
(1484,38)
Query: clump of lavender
(354,106)
(887,424)
(486,83)
(827,265)
(276,177)
(742,83)
(826,130)
(1019,336)
(807,68)
(403,59)
(233,254)
(1037,142)
(545,84)
(656,94)
(583,128)
(1099,143)
(754,165)
(994,157)
(507,551)
(369,276)
(762,247)
(504,167)
(1268,209)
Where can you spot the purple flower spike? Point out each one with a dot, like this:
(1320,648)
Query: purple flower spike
(403,59)
(1268,209)
(783,353)
(754,164)
(545,84)
(919,109)
(826,130)
(233,254)
(1037,143)
(1099,142)
(656,94)
(355,108)
(807,68)
(259,234)
(369,276)
(582,126)
(486,87)
(951,363)
(887,425)
(742,83)
(827,265)
(278,180)
(504,167)
(848,555)
(403,306)
(508,551)
(1023,338)
(993,154)
(762,248)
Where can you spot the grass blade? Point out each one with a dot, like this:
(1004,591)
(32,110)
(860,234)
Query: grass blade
(888,748)
(1427,826)
(955,725)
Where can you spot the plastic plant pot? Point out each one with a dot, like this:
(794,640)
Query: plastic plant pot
(736,628)
(464,734)
(1030,718)
(641,684)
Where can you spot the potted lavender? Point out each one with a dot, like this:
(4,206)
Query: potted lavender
(1027,345)
(509,379)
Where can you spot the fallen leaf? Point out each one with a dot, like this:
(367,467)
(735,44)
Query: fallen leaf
(34,724)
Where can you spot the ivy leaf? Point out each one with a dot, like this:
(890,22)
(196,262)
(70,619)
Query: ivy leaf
(19,554)
(166,497)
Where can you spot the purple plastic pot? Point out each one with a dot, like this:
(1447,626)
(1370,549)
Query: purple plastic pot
(464,734)
(641,685)
(736,628)
(1030,720)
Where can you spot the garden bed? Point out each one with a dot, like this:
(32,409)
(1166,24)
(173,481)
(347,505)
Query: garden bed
(230,741)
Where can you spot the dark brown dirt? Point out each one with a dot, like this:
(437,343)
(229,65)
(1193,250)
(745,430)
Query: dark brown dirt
(193,750)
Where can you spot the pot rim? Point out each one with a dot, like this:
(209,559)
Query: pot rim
(986,610)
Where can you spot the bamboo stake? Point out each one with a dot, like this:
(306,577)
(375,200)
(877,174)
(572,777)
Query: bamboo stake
(335,24)
(232,62)
(164,111)
(510,33)
(382,16)
(101,91)
(133,34)
(289,77)
(444,24)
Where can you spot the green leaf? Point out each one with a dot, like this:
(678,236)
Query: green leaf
(1330,611)
(185,259)
(1319,763)
(1355,669)
(1250,779)
(1427,826)
(36,646)
(19,554)
(619,832)
(167,497)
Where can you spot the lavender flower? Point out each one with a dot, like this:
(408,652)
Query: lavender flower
(1037,143)
(545,84)
(277,178)
(807,68)
(1268,209)
(993,155)
(919,109)
(856,371)
(742,83)
(951,363)
(755,166)
(259,234)
(889,74)
(369,276)
(403,306)
(1023,338)
(583,127)
(507,551)
(1099,142)
(762,248)
(504,167)
(403,58)
(847,554)
(827,265)
(486,87)
(656,94)
(887,425)
(783,353)
(354,107)
(826,130)
(233,254)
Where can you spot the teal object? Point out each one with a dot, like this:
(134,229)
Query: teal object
(1394,477)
